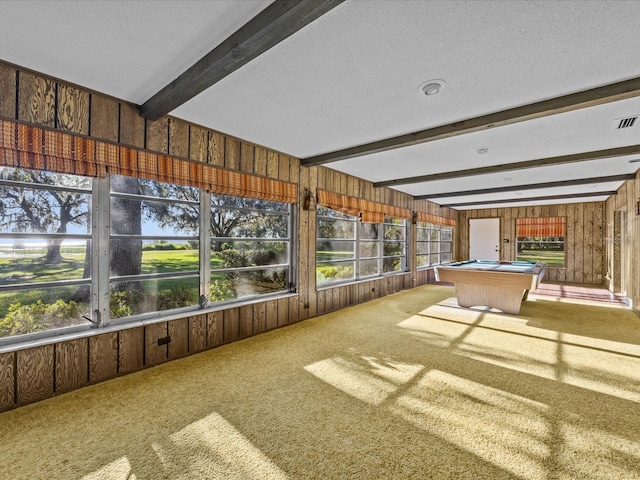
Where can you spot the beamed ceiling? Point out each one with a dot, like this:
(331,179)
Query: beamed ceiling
(533,92)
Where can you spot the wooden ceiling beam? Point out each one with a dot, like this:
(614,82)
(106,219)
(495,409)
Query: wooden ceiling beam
(574,197)
(531,186)
(508,167)
(275,23)
(566,103)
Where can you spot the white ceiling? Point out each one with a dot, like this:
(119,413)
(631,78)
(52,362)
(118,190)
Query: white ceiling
(351,77)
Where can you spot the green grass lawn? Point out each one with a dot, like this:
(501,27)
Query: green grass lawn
(551,258)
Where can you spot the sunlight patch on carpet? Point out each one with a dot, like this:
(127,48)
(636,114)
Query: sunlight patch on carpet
(212,448)
(370,380)
(119,469)
(515,433)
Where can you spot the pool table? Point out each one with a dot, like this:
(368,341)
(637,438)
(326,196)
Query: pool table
(501,285)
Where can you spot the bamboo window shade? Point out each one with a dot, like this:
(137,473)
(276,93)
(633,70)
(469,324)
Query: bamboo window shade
(541,227)
(26,146)
(435,219)
(367,210)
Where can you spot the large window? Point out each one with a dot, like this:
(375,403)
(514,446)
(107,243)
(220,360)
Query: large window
(541,240)
(434,244)
(348,250)
(45,251)
(249,247)
(154,246)
(77,251)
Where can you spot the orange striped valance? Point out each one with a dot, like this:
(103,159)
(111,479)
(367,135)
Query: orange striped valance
(541,227)
(26,146)
(366,210)
(435,219)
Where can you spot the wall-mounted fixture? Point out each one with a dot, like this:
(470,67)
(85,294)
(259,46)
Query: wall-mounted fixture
(638,207)
(308,199)
(414,218)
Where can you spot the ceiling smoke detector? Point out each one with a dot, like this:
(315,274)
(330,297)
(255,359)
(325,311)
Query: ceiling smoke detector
(431,87)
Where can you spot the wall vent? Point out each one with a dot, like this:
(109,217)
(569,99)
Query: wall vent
(625,122)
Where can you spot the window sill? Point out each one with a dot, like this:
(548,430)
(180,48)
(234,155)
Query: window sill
(90,331)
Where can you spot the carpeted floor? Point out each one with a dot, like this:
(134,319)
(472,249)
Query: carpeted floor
(409,386)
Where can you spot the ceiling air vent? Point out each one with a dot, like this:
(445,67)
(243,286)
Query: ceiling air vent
(625,122)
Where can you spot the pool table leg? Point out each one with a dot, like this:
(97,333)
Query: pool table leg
(505,299)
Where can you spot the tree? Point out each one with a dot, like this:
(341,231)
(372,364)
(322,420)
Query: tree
(126,219)
(42,210)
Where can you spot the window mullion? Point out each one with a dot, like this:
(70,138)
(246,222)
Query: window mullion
(205,247)
(100,235)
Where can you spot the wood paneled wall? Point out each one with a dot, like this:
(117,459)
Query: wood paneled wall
(623,242)
(32,374)
(584,242)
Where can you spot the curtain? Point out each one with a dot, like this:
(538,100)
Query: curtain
(26,146)
(366,210)
(541,227)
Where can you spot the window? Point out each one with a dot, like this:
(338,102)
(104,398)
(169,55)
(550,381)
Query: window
(434,244)
(335,246)
(45,251)
(77,251)
(348,250)
(154,246)
(249,247)
(541,240)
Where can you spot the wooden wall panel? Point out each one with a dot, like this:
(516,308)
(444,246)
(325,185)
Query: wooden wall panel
(259,317)
(271,308)
(578,243)
(36,100)
(273,164)
(105,118)
(197,333)
(217,146)
(232,153)
(154,352)
(283,167)
(245,321)
(7,376)
(72,110)
(247,154)
(8,85)
(294,309)
(587,259)
(304,238)
(103,357)
(178,331)
(215,329)
(130,350)
(158,135)
(71,365)
(34,372)
(260,161)
(178,138)
(198,144)
(231,330)
(132,126)
(320,294)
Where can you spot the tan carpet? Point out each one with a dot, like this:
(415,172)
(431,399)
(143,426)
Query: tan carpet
(405,387)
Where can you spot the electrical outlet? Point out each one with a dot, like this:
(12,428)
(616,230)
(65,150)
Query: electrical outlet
(164,340)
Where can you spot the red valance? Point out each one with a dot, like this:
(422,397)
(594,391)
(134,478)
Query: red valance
(26,146)
(541,227)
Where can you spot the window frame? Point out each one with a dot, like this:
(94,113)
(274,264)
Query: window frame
(99,236)
(359,242)
(541,241)
(429,228)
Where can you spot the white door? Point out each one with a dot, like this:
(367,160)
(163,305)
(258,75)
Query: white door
(484,239)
